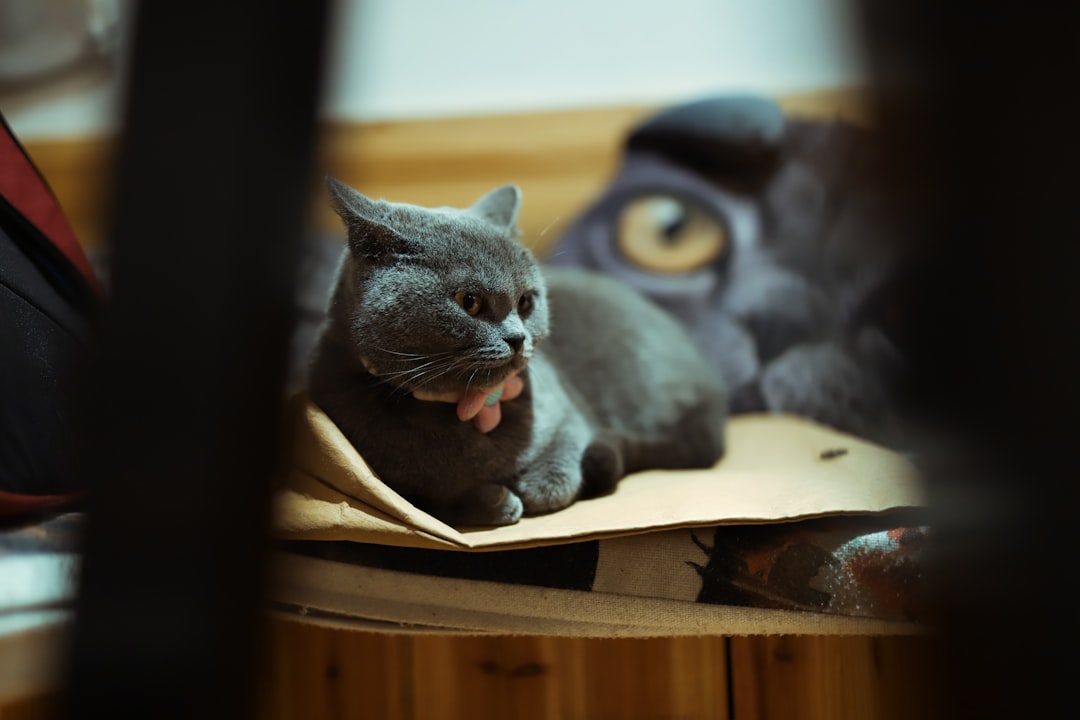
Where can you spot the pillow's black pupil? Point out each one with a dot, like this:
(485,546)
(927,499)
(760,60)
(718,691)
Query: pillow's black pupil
(468,301)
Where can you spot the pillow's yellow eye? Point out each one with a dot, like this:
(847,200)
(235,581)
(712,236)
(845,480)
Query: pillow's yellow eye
(469,302)
(663,234)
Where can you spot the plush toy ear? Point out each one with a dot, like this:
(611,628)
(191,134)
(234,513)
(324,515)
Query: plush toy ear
(367,222)
(500,206)
(737,137)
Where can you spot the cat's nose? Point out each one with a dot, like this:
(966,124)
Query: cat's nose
(516,342)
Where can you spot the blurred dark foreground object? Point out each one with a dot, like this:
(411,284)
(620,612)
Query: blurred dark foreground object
(182,418)
(979,125)
(48,304)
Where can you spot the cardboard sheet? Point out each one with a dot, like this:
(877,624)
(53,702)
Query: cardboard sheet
(777,468)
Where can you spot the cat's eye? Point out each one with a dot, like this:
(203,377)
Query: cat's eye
(469,301)
(665,234)
(526,303)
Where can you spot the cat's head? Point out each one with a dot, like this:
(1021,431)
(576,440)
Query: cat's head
(440,299)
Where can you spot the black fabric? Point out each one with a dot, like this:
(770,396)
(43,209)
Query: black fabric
(47,311)
(45,334)
(568,567)
(212,183)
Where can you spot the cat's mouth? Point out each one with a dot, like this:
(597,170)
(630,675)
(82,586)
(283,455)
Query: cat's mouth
(490,375)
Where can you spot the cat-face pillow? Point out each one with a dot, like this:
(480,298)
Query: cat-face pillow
(765,236)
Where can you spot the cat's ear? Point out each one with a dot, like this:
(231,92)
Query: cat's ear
(500,206)
(366,220)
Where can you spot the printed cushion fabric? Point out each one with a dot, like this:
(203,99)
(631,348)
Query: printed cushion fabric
(849,575)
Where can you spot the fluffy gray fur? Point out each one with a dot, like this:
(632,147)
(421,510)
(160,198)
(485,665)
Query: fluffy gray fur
(612,384)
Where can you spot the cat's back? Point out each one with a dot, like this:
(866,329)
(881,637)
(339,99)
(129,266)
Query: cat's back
(635,364)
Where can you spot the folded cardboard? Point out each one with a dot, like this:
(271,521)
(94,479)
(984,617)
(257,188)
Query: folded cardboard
(777,468)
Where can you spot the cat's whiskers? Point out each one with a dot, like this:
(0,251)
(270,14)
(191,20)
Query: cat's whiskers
(480,363)
(433,374)
(410,378)
(414,355)
(425,360)
(440,366)
(469,383)
(411,371)
(544,231)
(420,369)
(561,253)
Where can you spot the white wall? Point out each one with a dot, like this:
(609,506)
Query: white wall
(392,59)
(407,58)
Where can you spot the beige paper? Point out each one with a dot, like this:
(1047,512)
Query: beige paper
(774,471)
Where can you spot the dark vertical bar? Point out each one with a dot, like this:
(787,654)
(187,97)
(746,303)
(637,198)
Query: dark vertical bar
(183,412)
(983,138)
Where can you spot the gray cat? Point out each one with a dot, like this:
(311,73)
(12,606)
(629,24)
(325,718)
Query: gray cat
(437,302)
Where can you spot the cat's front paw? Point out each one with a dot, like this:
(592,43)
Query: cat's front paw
(488,505)
(548,491)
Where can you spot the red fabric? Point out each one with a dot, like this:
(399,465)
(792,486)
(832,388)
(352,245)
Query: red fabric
(14,505)
(22,186)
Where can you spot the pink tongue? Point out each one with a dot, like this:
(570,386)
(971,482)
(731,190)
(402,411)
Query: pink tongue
(470,404)
(474,406)
(488,418)
(482,406)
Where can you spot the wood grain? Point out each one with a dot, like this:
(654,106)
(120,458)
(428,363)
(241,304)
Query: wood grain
(79,171)
(319,673)
(561,160)
(314,672)
(813,678)
(336,674)
(39,706)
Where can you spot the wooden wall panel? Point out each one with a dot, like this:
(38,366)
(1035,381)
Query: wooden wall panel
(41,706)
(316,673)
(486,678)
(839,678)
(561,160)
(79,171)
